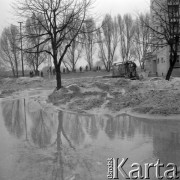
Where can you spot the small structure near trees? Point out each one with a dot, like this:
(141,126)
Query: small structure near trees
(124,69)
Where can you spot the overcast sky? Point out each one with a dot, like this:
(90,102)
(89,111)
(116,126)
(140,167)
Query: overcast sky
(100,8)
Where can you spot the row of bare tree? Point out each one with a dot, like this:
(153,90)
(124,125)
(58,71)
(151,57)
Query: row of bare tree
(11,50)
(130,36)
(62,30)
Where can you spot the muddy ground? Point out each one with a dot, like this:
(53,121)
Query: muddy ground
(106,95)
(109,95)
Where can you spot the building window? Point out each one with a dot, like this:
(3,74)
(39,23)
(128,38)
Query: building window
(158,61)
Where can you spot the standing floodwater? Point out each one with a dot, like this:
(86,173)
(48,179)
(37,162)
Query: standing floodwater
(38,143)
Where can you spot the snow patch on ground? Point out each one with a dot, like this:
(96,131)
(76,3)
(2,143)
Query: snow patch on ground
(152,96)
(106,95)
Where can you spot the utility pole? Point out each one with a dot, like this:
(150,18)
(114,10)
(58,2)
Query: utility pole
(20,23)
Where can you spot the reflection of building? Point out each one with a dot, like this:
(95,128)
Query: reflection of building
(158,61)
(166,142)
(165,138)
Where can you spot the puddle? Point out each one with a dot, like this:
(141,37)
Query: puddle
(39,143)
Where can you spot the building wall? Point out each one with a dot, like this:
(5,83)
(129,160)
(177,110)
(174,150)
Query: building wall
(147,65)
(150,64)
(162,61)
(161,53)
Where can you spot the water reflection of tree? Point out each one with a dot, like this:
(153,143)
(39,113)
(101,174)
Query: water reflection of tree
(122,126)
(126,126)
(40,131)
(76,132)
(110,127)
(58,172)
(68,162)
(60,161)
(76,126)
(14,117)
(92,127)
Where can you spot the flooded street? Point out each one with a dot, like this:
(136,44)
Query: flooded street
(38,143)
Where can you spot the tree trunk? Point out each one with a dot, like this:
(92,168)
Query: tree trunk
(169,73)
(16,65)
(17,71)
(108,69)
(13,72)
(36,72)
(143,65)
(109,66)
(58,64)
(89,64)
(58,77)
(73,67)
(173,60)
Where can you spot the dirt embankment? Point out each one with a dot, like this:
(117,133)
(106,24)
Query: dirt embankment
(152,96)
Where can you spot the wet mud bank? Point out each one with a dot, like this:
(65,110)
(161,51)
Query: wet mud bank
(153,97)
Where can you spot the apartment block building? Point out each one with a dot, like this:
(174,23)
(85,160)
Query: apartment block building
(157,62)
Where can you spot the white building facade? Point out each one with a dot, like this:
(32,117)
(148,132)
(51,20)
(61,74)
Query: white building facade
(158,62)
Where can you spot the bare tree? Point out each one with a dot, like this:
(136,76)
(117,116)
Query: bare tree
(142,37)
(108,41)
(89,40)
(126,33)
(73,54)
(60,18)
(9,44)
(35,57)
(165,29)
(6,54)
(30,59)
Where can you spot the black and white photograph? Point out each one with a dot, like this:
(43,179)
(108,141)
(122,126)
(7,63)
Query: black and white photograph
(89,89)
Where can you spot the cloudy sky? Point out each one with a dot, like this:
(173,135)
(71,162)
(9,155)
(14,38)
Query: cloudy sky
(100,8)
